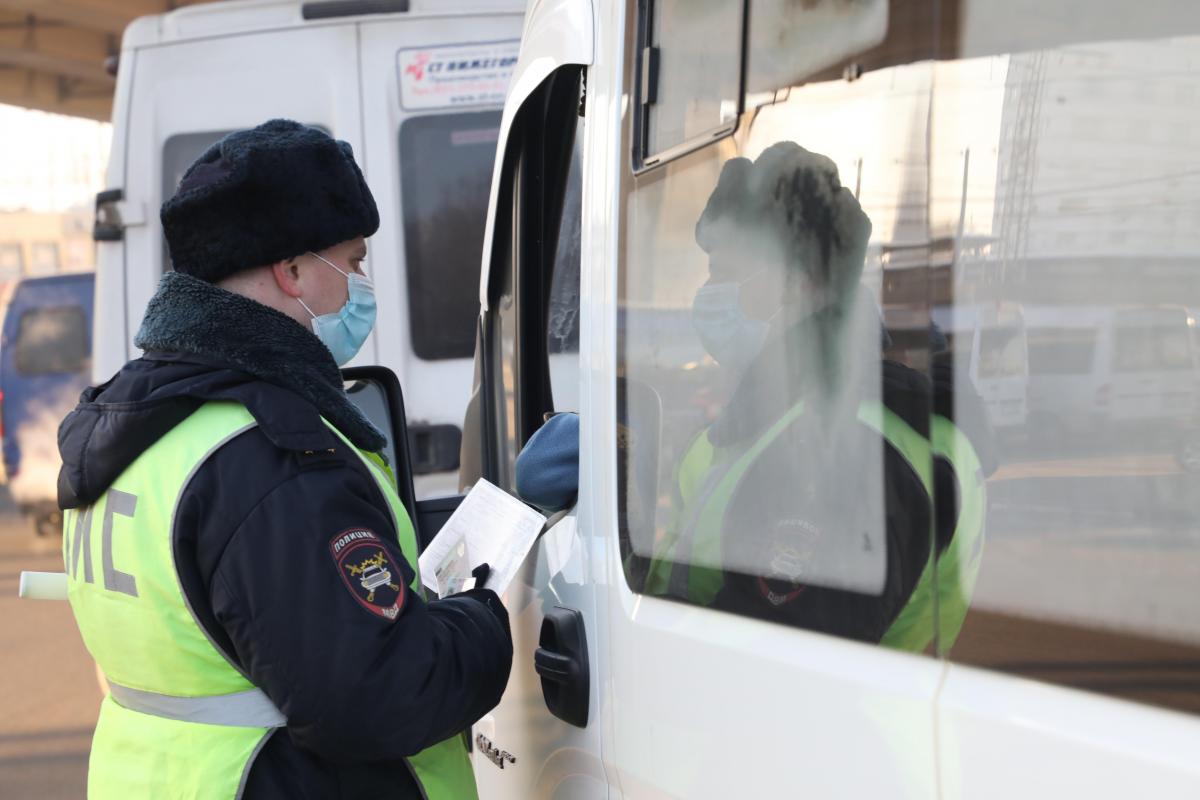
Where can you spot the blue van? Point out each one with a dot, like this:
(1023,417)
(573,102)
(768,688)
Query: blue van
(45,362)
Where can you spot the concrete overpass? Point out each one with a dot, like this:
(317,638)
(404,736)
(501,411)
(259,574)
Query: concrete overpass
(60,55)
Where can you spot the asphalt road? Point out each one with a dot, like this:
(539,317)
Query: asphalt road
(49,696)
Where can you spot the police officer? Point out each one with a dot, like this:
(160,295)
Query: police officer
(821,442)
(239,563)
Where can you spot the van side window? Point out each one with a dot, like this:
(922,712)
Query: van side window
(688,75)
(445,174)
(910,358)
(531,333)
(773,450)
(562,315)
(1087,574)
(52,341)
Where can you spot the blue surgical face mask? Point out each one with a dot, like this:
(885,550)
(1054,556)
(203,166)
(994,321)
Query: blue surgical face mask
(345,331)
(728,335)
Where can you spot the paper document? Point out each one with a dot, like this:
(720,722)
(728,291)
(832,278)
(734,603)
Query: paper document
(491,527)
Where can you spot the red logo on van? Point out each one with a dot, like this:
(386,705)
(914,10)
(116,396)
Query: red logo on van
(417,68)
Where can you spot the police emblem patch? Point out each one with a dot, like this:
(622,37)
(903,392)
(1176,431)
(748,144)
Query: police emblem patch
(368,572)
(791,552)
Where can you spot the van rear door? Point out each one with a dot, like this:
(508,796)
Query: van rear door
(186,95)
(433,87)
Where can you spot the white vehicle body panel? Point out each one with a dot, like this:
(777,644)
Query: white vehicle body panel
(554,759)
(694,703)
(557,33)
(1002,737)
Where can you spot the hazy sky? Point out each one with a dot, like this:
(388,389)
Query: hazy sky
(49,162)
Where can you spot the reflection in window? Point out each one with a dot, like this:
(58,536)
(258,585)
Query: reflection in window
(775,446)
(562,314)
(1061,351)
(1031,269)
(503,352)
(1149,348)
(1001,352)
(1042,146)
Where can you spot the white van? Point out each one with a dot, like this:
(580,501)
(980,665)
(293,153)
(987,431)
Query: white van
(415,86)
(1130,368)
(1076,670)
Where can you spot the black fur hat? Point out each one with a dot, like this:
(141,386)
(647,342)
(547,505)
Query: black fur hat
(263,195)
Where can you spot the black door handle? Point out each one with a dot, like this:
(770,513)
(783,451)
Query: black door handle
(552,666)
(561,661)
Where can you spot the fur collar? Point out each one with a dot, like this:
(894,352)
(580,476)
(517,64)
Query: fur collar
(189,315)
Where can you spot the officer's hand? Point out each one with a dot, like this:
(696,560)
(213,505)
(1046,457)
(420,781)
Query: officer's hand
(481,574)
(482,594)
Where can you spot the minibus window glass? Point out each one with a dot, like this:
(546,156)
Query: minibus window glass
(562,315)
(690,72)
(1064,165)
(773,389)
(445,174)
(1061,351)
(1145,348)
(52,341)
(1001,352)
(503,351)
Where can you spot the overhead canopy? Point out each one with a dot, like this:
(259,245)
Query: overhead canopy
(53,52)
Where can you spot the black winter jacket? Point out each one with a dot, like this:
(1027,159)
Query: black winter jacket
(252,544)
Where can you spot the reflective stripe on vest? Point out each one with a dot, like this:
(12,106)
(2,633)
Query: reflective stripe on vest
(181,720)
(249,709)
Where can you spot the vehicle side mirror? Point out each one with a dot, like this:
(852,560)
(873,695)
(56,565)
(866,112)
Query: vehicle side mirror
(377,394)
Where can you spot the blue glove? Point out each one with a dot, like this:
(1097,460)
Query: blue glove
(548,466)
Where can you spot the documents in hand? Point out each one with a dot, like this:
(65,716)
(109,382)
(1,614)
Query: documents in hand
(490,527)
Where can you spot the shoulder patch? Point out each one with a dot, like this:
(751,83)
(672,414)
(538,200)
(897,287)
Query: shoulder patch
(369,572)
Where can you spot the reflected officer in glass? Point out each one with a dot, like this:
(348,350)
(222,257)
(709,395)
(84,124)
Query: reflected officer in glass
(810,499)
